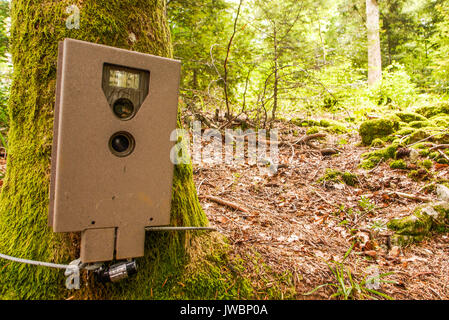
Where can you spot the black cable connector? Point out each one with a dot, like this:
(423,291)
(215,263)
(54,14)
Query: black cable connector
(116,272)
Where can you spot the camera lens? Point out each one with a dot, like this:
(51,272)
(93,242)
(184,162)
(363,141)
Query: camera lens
(123,108)
(121,144)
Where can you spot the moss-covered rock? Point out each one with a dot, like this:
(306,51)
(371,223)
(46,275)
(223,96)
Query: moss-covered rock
(424,220)
(378,143)
(433,110)
(428,164)
(328,125)
(421,174)
(432,134)
(377,128)
(332,175)
(398,164)
(313,130)
(440,120)
(410,116)
(418,223)
(419,124)
(372,159)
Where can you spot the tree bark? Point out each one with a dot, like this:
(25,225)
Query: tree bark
(374,54)
(37,27)
(276,73)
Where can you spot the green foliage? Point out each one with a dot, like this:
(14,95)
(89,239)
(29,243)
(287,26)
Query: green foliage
(346,286)
(440,43)
(396,88)
(377,128)
(4,42)
(398,164)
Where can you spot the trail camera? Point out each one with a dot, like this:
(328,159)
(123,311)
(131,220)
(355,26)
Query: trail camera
(111,170)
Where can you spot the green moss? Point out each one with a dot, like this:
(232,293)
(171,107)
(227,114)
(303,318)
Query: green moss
(378,143)
(420,124)
(377,128)
(421,174)
(410,116)
(429,134)
(418,225)
(329,125)
(415,224)
(442,160)
(313,130)
(398,164)
(440,120)
(428,164)
(434,155)
(404,131)
(333,126)
(433,110)
(348,178)
(372,159)
(305,123)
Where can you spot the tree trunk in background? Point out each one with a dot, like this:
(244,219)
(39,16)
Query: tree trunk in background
(374,55)
(276,74)
(37,27)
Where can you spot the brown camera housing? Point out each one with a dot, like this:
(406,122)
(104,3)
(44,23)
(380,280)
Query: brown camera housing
(111,174)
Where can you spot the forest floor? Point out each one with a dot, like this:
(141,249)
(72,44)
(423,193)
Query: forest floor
(296,224)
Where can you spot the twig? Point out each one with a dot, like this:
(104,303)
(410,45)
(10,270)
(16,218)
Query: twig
(440,146)
(307,138)
(226,203)
(410,196)
(429,137)
(443,154)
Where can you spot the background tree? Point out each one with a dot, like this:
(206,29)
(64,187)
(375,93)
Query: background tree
(374,55)
(168,270)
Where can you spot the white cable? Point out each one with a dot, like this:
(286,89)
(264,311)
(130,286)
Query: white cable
(37,263)
(72,270)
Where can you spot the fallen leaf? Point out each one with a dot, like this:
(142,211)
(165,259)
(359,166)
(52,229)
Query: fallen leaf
(371,253)
(394,252)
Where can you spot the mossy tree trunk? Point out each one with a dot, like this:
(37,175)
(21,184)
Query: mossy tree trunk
(37,26)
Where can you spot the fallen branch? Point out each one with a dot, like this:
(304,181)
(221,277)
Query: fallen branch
(410,196)
(230,204)
(329,151)
(308,138)
(440,146)
(443,154)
